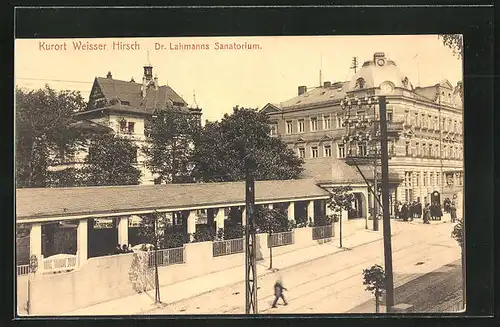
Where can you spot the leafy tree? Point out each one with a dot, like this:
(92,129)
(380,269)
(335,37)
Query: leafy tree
(455,42)
(374,279)
(271,221)
(219,149)
(459,235)
(110,161)
(43,132)
(341,198)
(169,144)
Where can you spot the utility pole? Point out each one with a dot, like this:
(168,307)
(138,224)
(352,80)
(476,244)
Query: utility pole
(250,239)
(375,162)
(354,64)
(389,284)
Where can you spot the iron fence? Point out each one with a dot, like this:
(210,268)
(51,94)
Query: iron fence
(227,247)
(165,257)
(321,232)
(280,239)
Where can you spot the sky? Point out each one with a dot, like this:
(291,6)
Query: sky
(218,79)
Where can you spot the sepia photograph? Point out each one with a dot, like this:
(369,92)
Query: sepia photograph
(271,175)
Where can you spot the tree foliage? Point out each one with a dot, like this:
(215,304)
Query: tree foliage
(110,161)
(374,280)
(455,42)
(271,220)
(341,198)
(458,233)
(44,135)
(221,146)
(169,145)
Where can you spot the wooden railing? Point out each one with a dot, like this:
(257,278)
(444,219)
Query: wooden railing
(227,247)
(280,239)
(23,270)
(322,232)
(59,264)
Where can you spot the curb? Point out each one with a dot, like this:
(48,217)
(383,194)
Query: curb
(266,273)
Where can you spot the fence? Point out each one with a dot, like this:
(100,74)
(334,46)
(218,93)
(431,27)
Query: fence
(321,232)
(23,270)
(280,239)
(227,247)
(166,257)
(59,264)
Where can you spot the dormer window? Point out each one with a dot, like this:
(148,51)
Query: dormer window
(360,83)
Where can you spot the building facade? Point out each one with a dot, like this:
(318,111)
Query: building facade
(124,107)
(427,151)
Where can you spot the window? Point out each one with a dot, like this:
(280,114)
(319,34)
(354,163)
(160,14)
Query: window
(326,122)
(302,153)
(274,129)
(314,124)
(455,127)
(425,179)
(436,123)
(361,149)
(314,151)
(431,179)
(123,126)
(429,152)
(390,116)
(445,152)
(328,151)
(429,122)
(340,150)
(301,125)
(289,128)
(407,149)
(339,122)
(417,179)
(417,121)
(130,129)
(451,153)
(417,149)
(436,152)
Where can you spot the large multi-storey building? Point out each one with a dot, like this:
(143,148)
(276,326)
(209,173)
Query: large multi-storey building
(124,107)
(427,149)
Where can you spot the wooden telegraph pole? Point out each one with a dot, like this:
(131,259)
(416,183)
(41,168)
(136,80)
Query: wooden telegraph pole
(250,239)
(385,203)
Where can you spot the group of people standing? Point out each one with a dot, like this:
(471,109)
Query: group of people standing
(408,211)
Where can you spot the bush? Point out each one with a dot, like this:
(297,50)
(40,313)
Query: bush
(301,222)
(174,240)
(233,231)
(322,221)
(203,234)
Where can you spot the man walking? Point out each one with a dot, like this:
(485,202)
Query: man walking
(278,292)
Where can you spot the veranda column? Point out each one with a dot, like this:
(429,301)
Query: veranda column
(244,216)
(291,211)
(82,241)
(123,230)
(219,219)
(191,224)
(36,240)
(310,210)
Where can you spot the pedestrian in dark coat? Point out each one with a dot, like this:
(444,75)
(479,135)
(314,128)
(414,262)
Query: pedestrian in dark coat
(405,212)
(278,292)
(453,212)
(427,213)
(396,211)
(419,209)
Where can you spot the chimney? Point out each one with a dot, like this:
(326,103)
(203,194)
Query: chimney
(109,76)
(302,89)
(327,84)
(132,80)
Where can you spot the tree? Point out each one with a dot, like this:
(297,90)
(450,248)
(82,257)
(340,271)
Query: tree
(271,221)
(374,279)
(43,132)
(341,198)
(111,160)
(455,42)
(459,235)
(220,146)
(169,144)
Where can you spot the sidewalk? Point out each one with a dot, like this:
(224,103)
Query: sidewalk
(142,303)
